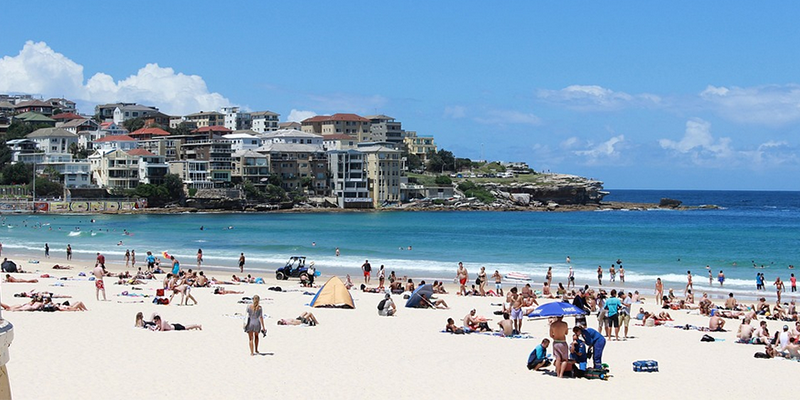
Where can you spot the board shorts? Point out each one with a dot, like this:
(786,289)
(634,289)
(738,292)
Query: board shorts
(498,286)
(98,283)
(612,321)
(463,281)
(561,350)
(367,273)
(624,319)
(516,313)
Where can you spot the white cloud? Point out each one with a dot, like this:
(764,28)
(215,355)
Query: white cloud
(501,117)
(604,150)
(299,115)
(697,140)
(773,105)
(40,70)
(700,147)
(596,98)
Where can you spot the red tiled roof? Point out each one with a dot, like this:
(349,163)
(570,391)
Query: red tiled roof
(115,138)
(150,131)
(66,116)
(336,117)
(212,129)
(140,152)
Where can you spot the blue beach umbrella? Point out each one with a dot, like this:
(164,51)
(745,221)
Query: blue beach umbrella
(415,299)
(556,309)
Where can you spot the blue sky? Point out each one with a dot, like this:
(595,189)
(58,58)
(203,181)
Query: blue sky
(677,95)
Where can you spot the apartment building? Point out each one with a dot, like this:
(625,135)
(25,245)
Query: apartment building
(115,169)
(419,145)
(384,128)
(204,119)
(347,124)
(131,111)
(235,119)
(348,178)
(152,167)
(383,171)
(250,165)
(295,162)
(264,121)
(53,140)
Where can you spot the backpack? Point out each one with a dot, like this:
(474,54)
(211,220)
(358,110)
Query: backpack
(381,304)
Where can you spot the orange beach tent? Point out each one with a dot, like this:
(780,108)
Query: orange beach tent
(333,294)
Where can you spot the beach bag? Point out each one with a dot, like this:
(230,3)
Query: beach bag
(595,373)
(707,338)
(381,304)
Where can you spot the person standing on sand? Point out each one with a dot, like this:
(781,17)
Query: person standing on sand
(101,261)
(99,272)
(199,257)
(793,280)
(779,288)
(599,275)
(176,265)
(133,258)
(558,331)
(46,250)
(366,268)
(659,291)
(688,283)
(482,281)
(127,258)
(241,263)
(515,303)
(549,276)
(461,276)
(571,278)
(255,324)
(69,252)
(498,283)
(381,276)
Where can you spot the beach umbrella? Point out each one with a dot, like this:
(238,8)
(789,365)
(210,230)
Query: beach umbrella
(9,266)
(426,289)
(556,309)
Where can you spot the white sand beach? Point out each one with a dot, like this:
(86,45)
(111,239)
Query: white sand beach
(351,354)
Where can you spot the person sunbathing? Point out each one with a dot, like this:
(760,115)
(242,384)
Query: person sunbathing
(11,279)
(61,266)
(129,281)
(161,325)
(35,304)
(141,323)
(222,290)
(366,289)
(305,318)
(65,306)
(437,304)
(215,282)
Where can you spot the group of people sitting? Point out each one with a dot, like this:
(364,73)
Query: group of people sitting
(784,343)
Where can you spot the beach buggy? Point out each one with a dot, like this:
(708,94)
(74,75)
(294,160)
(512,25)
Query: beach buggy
(294,268)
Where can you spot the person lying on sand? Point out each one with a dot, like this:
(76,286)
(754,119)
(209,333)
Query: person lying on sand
(221,290)
(128,281)
(305,318)
(11,279)
(366,289)
(215,282)
(35,304)
(31,293)
(61,266)
(161,325)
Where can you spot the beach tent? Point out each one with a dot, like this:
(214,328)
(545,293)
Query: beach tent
(333,294)
(9,266)
(426,289)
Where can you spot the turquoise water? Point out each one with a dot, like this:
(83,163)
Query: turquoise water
(760,227)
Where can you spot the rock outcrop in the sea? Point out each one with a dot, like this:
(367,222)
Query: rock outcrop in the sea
(552,188)
(669,203)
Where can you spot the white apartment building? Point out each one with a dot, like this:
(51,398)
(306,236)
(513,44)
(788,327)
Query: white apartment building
(235,119)
(348,179)
(264,121)
(53,140)
(243,140)
(115,169)
(292,136)
(383,171)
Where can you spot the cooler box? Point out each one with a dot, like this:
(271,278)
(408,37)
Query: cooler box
(645,366)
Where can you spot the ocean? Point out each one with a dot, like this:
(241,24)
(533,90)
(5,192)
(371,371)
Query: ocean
(750,227)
